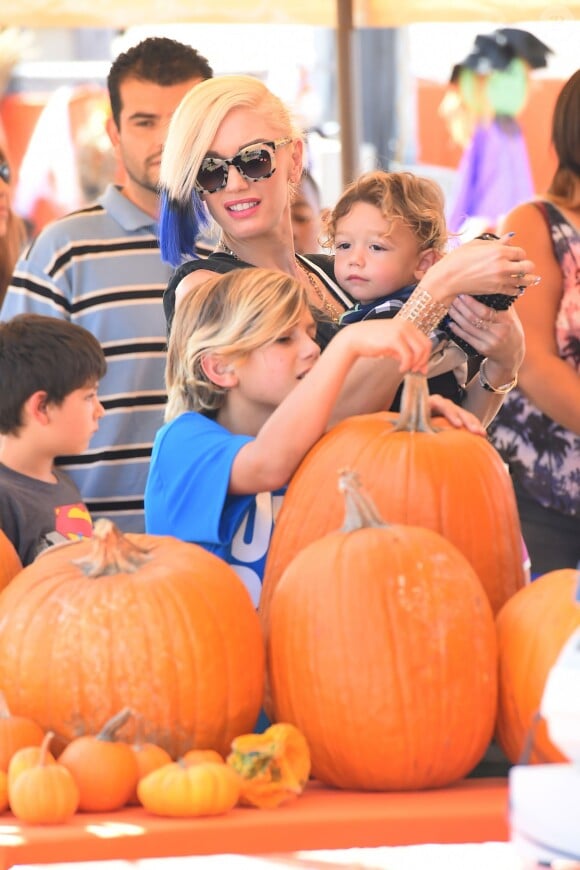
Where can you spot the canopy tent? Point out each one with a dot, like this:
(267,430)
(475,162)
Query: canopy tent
(343,15)
(323,13)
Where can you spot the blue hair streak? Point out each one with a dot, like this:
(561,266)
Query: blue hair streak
(180,223)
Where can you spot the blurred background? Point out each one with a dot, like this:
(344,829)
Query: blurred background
(403,108)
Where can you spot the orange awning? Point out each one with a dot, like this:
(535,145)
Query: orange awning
(324,13)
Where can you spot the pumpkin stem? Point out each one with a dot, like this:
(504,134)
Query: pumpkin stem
(414,415)
(360,510)
(44,748)
(109,730)
(111,552)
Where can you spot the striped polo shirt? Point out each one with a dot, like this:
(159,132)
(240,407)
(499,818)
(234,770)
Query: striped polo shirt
(100,267)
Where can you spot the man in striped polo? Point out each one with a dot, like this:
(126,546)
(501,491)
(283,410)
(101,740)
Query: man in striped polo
(100,267)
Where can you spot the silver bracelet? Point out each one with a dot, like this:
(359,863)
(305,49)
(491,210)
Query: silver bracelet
(422,310)
(484,381)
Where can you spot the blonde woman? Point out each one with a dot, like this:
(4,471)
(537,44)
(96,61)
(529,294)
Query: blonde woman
(233,154)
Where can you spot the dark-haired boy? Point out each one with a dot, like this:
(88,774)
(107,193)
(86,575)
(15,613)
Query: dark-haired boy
(49,374)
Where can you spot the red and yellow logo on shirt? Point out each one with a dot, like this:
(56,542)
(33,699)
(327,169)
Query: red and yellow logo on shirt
(73,521)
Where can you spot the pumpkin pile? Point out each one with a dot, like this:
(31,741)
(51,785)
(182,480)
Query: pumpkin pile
(103,773)
(136,664)
(140,621)
(166,632)
(382,652)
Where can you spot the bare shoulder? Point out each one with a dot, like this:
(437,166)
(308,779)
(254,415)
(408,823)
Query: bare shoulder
(524,220)
(191,281)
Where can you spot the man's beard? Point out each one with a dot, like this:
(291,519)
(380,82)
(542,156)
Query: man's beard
(144,180)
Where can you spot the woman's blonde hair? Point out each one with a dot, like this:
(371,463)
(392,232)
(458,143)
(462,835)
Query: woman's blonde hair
(230,315)
(403,198)
(11,244)
(192,129)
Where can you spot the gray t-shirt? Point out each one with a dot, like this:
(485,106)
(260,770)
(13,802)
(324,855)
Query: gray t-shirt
(35,515)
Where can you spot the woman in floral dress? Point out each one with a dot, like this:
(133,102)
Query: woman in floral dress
(537,430)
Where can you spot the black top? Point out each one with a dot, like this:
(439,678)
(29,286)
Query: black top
(221,263)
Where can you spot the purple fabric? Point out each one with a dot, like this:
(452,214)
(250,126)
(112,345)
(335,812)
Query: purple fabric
(494,174)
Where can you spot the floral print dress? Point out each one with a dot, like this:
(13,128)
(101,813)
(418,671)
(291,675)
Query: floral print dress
(543,457)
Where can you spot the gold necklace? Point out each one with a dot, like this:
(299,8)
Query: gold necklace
(327,306)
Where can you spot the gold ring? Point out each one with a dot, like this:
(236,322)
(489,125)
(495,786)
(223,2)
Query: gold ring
(518,276)
(479,323)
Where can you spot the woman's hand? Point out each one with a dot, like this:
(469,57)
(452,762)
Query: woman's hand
(455,414)
(479,266)
(497,335)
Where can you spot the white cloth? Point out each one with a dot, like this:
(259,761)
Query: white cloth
(468,856)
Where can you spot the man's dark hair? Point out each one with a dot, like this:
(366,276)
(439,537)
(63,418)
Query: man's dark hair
(157,59)
(44,353)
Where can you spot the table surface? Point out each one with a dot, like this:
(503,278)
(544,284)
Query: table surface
(472,811)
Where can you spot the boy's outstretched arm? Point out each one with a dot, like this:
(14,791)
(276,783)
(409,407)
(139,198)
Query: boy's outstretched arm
(268,462)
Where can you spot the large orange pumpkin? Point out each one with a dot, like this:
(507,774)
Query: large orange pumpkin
(443,479)
(532,628)
(10,564)
(382,652)
(148,622)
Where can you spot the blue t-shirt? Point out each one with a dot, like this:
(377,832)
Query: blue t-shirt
(187,496)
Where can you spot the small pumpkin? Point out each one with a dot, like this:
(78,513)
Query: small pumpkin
(44,794)
(105,770)
(27,757)
(10,564)
(149,757)
(16,732)
(532,628)
(274,766)
(201,756)
(150,622)
(382,651)
(181,790)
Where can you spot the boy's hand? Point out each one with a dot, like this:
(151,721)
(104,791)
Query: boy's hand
(455,414)
(395,338)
